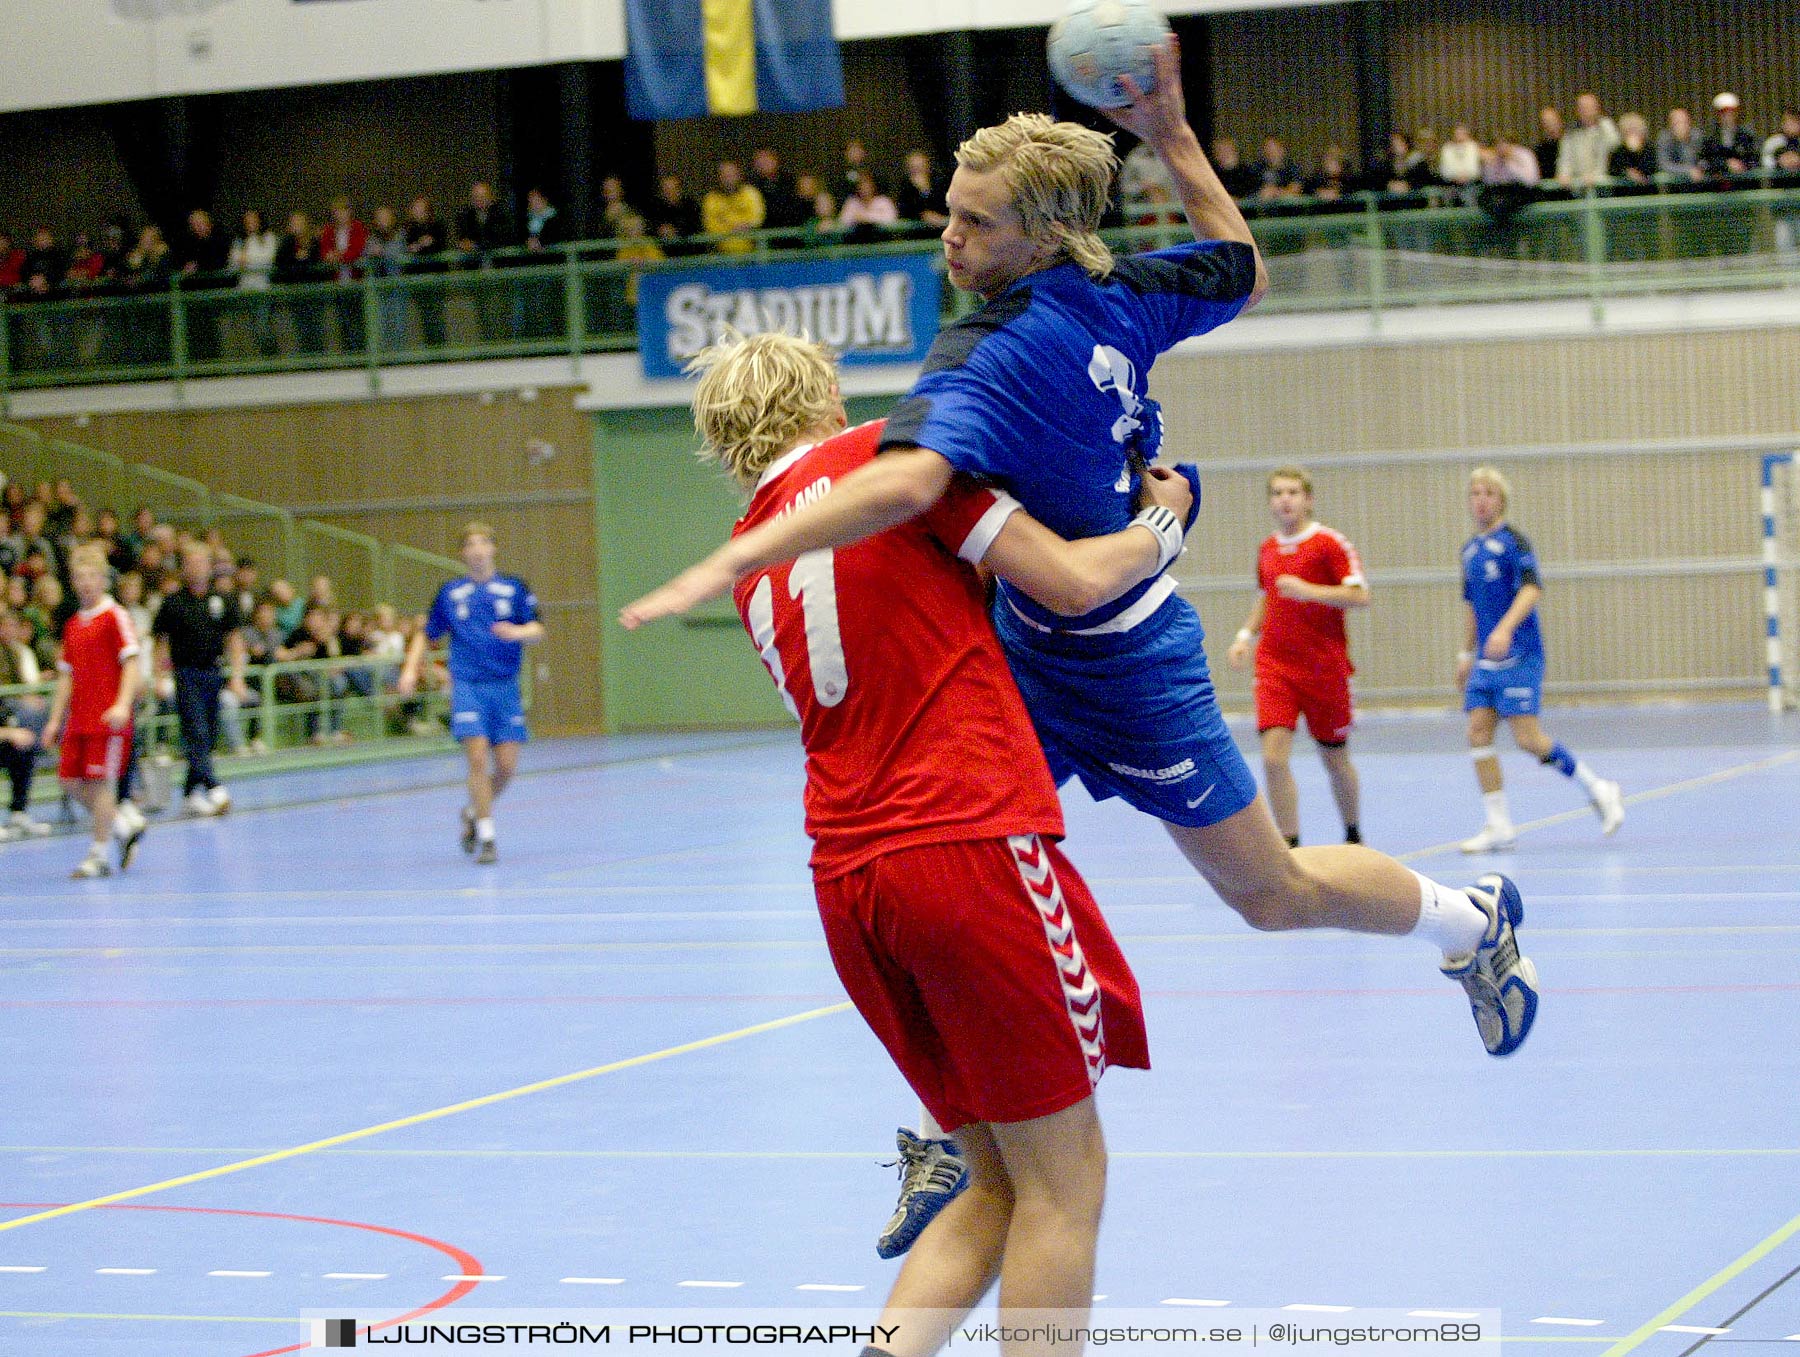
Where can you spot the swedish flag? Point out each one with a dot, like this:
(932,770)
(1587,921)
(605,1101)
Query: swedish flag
(689,58)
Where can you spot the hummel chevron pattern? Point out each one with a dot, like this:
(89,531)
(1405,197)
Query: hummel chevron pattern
(1081,992)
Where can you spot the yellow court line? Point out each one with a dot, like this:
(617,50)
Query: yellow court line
(1635,799)
(421,1117)
(1731,1270)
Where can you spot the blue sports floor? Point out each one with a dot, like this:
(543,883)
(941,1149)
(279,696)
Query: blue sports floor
(676,1095)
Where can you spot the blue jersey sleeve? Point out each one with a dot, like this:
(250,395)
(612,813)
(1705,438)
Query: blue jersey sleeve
(957,417)
(528,605)
(437,622)
(1189,289)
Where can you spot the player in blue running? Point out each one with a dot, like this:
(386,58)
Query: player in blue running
(490,618)
(1043,391)
(1501,667)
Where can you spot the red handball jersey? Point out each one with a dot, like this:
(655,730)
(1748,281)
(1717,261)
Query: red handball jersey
(914,730)
(1306,637)
(96,643)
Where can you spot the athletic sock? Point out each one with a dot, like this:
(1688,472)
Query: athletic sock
(1498,815)
(1588,778)
(1448,918)
(928,1126)
(1560,759)
(1293,840)
(1352,834)
(484,828)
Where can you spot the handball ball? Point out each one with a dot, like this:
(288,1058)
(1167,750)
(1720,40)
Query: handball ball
(1097,41)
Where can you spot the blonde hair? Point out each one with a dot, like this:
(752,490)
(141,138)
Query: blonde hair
(1288,473)
(476,528)
(90,556)
(758,396)
(1488,475)
(1059,176)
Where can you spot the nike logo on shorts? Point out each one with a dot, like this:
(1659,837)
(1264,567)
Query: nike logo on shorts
(1203,795)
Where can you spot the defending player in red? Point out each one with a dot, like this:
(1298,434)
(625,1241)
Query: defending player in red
(967,941)
(90,715)
(1309,575)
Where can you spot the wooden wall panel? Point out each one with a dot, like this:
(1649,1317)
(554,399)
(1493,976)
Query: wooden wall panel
(1285,73)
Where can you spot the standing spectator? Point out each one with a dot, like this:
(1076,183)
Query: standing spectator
(635,247)
(298,267)
(1140,172)
(385,259)
(342,245)
(1549,146)
(732,209)
(613,205)
(1276,175)
(1678,147)
(253,260)
(782,208)
(482,228)
(1404,170)
(425,241)
(1633,160)
(148,269)
(856,160)
(1731,148)
(867,211)
(921,196)
(673,216)
(21,726)
(544,300)
(202,256)
(1587,147)
(90,714)
(197,626)
(46,257)
(1239,179)
(1459,159)
(1509,163)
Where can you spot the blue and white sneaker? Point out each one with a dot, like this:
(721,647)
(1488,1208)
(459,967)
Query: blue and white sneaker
(932,1173)
(1500,981)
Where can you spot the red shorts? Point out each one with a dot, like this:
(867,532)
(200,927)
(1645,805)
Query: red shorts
(985,968)
(1284,696)
(93,757)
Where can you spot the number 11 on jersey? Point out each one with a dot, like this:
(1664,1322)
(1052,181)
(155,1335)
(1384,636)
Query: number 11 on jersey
(812,580)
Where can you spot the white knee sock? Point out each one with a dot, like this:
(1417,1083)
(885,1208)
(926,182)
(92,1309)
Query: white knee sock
(928,1127)
(1448,918)
(1587,776)
(1498,814)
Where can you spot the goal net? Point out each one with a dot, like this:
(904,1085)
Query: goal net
(1781,576)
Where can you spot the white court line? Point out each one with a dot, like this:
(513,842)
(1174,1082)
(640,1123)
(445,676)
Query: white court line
(721,1286)
(129,1272)
(1690,1328)
(1208,1304)
(22,1269)
(356,1276)
(1443,1314)
(593,1281)
(1322,1309)
(1571,1323)
(832,1286)
(232,1272)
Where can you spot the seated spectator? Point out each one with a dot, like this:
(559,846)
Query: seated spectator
(290,608)
(45,258)
(244,589)
(1276,175)
(139,535)
(822,212)
(1781,152)
(1404,170)
(1459,159)
(782,208)
(1678,148)
(1509,163)
(673,216)
(1141,170)
(1549,146)
(322,593)
(867,211)
(1239,179)
(1633,160)
(203,254)
(47,611)
(1587,147)
(613,206)
(921,195)
(635,247)
(30,538)
(732,209)
(316,639)
(353,643)
(264,636)
(149,266)
(856,160)
(1731,148)
(64,504)
(1334,178)
(387,643)
(87,266)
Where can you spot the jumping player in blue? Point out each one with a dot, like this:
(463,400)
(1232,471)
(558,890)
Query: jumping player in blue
(490,618)
(1501,666)
(1043,390)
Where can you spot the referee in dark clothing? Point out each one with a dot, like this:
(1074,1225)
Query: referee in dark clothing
(198,625)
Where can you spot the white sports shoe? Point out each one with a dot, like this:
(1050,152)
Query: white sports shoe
(1492,839)
(221,800)
(201,803)
(22,826)
(1609,805)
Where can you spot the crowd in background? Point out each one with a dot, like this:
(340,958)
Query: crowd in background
(41,527)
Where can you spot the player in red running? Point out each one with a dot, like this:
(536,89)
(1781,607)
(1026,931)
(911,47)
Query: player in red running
(964,937)
(90,715)
(1309,575)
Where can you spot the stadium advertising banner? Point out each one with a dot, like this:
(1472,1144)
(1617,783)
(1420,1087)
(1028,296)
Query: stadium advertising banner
(880,310)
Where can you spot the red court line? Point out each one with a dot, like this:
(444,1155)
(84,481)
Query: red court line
(467,1264)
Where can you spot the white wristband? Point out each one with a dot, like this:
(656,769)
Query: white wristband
(1246,635)
(1168,532)
(1462,655)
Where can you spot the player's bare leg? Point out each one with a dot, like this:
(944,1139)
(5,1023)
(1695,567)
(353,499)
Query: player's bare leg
(1608,802)
(98,799)
(1346,788)
(478,815)
(1278,778)
(957,1259)
(1058,1169)
(506,766)
(1497,829)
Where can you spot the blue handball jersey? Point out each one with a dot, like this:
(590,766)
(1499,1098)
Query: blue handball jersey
(1043,391)
(1496,565)
(466,612)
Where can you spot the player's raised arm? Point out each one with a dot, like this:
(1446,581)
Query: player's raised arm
(1159,119)
(893,489)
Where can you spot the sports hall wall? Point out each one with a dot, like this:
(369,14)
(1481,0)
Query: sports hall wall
(413,471)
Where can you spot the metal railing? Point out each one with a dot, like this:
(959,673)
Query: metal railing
(1368,251)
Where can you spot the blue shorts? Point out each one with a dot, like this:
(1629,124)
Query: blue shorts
(1132,714)
(1516,690)
(489,708)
